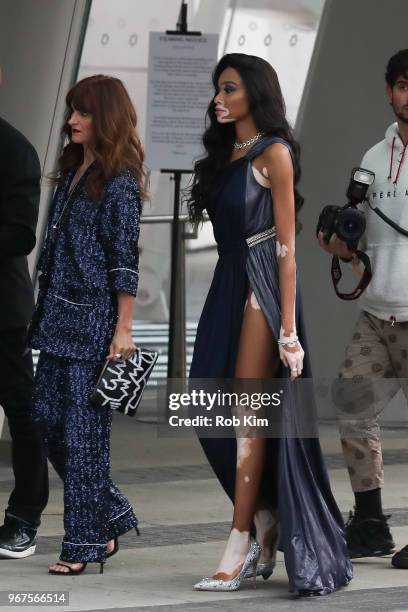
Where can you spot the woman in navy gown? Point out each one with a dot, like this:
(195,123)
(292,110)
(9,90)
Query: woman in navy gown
(252,327)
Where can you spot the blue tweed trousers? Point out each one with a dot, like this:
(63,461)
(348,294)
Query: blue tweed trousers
(77,437)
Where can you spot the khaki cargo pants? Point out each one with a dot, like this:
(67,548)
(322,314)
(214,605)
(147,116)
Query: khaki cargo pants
(374,370)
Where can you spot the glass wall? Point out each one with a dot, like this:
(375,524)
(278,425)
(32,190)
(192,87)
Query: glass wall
(281,31)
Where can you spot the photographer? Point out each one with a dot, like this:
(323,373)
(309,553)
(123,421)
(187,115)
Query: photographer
(376,360)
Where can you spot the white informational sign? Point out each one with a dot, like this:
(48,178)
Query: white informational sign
(179,91)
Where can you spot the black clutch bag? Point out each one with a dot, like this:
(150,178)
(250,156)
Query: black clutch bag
(121,383)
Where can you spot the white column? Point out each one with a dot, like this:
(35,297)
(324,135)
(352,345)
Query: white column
(1,421)
(40,45)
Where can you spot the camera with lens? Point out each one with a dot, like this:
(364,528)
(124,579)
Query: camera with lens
(349,224)
(347,221)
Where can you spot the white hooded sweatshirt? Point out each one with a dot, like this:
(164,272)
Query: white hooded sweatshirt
(386,296)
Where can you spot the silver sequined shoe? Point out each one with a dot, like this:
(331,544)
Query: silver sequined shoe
(251,560)
(266,569)
(262,569)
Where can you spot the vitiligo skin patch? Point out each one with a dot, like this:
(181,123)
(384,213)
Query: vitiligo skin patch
(261,177)
(225,117)
(253,302)
(281,249)
(243,450)
(235,552)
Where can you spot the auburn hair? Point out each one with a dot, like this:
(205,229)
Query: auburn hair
(117,143)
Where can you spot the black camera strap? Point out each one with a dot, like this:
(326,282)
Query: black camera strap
(390,222)
(336,275)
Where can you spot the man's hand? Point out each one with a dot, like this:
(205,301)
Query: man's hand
(335,246)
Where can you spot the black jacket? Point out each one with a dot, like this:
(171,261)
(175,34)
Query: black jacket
(20,174)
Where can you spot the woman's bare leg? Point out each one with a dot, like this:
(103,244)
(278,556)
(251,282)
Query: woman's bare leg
(266,522)
(258,357)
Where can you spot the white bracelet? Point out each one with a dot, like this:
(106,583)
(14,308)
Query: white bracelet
(291,341)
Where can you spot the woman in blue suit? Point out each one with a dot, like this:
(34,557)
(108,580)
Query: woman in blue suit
(88,282)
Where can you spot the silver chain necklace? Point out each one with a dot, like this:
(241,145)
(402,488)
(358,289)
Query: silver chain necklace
(247,143)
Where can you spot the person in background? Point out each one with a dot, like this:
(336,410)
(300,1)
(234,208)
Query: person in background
(377,355)
(20,175)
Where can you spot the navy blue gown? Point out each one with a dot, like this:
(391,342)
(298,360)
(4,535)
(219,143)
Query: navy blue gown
(295,479)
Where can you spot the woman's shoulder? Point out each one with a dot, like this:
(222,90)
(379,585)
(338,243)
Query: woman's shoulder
(270,145)
(276,151)
(123,180)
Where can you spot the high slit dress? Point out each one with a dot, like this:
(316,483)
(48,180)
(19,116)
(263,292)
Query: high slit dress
(295,479)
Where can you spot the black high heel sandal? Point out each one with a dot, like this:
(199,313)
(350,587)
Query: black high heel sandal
(116,545)
(71,571)
(114,549)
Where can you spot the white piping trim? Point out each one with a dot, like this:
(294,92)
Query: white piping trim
(75,544)
(121,514)
(127,270)
(74,303)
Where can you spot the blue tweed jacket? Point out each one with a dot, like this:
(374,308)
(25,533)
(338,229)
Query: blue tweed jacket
(94,256)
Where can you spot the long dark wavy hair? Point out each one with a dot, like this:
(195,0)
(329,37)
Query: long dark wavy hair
(117,145)
(268,110)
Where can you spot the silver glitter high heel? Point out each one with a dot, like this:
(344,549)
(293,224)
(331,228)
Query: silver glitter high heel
(262,569)
(266,569)
(251,561)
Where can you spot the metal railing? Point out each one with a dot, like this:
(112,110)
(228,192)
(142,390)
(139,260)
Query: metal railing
(177,337)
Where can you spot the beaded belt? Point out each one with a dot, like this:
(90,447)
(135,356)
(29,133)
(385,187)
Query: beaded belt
(257,238)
